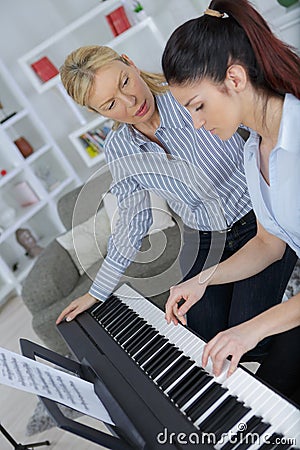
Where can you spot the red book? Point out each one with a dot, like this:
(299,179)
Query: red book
(111,25)
(44,69)
(120,20)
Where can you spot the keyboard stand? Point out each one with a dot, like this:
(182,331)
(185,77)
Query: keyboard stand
(124,436)
(18,446)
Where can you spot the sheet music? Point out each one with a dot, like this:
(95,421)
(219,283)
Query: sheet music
(33,376)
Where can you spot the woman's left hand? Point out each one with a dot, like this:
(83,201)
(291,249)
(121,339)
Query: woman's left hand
(234,342)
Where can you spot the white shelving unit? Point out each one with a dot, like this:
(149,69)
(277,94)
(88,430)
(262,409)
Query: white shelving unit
(92,28)
(46,173)
(81,147)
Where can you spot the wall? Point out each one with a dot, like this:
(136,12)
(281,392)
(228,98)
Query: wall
(24,24)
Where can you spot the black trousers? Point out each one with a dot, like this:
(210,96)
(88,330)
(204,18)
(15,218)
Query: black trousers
(281,367)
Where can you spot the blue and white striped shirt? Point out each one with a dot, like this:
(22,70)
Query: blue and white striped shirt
(200,176)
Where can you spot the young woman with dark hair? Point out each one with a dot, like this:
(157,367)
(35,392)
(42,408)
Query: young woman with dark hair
(228,68)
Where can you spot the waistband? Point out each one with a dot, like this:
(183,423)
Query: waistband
(242,221)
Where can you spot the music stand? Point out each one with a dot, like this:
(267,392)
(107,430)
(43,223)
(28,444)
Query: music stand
(21,446)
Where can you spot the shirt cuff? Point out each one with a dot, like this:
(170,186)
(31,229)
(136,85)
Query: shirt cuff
(105,282)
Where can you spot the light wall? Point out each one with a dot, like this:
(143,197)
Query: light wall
(25,24)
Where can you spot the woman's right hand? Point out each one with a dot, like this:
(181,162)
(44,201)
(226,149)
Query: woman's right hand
(76,307)
(190,291)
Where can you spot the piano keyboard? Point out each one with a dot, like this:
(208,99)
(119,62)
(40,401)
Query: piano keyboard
(239,406)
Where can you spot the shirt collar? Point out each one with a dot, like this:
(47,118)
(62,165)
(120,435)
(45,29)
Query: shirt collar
(289,135)
(170,111)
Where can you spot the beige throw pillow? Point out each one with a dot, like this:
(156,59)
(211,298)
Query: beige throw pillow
(162,217)
(87,243)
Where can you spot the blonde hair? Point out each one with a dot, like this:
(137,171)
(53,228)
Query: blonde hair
(79,69)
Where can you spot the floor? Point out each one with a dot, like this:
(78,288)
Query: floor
(16,406)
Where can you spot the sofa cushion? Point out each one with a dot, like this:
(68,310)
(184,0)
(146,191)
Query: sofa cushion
(87,242)
(162,217)
(81,203)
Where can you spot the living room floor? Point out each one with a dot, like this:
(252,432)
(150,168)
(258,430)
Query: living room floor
(17,406)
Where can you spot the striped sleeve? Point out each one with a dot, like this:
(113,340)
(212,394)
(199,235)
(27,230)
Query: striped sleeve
(135,219)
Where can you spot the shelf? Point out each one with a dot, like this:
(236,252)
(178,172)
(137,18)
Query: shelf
(89,28)
(14,119)
(6,281)
(10,157)
(80,146)
(64,186)
(8,99)
(131,32)
(10,175)
(30,211)
(14,254)
(13,171)
(28,129)
(41,217)
(50,170)
(6,290)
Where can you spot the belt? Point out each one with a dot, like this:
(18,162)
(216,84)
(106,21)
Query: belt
(241,221)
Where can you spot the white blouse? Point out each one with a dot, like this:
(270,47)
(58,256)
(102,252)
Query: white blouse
(277,206)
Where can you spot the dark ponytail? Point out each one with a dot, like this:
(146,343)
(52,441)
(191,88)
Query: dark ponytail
(204,47)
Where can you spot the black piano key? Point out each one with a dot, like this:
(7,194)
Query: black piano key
(121,324)
(224,409)
(125,334)
(189,393)
(109,313)
(113,314)
(165,363)
(134,327)
(135,344)
(137,327)
(102,309)
(238,436)
(171,375)
(164,352)
(117,312)
(99,308)
(249,437)
(205,401)
(229,422)
(119,327)
(184,383)
(162,360)
(223,422)
(143,353)
(273,443)
(260,428)
(146,352)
